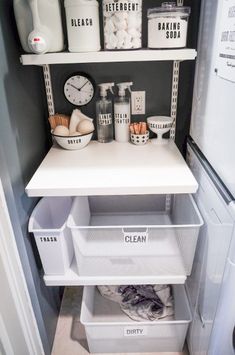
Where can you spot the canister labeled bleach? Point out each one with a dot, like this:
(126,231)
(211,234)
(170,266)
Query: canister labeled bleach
(82,18)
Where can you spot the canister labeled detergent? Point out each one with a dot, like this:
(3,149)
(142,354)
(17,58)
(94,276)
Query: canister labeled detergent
(82,18)
(122,24)
(167,26)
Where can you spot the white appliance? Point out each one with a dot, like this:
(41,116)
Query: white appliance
(212,123)
(211,158)
(210,262)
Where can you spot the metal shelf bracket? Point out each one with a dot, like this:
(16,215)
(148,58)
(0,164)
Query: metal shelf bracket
(48,88)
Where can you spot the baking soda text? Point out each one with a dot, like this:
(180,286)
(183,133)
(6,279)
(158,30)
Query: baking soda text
(172,30)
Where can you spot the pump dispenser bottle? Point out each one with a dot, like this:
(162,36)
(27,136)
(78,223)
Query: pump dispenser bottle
(122,112)
(104,114)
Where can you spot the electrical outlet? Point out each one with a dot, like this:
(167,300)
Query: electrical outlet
(138,102)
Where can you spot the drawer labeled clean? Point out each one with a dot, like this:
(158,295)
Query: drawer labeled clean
(134,235)
(110,330)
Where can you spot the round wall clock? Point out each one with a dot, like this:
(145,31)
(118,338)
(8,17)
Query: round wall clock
(79,89)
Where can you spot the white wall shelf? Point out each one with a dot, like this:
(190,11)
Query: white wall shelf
(71,278)
(109,56)
(113,169)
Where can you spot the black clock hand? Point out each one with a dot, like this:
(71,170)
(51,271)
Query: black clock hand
(73,86)
(83,85)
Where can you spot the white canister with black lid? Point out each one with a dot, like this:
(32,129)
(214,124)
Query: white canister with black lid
(82,19)
(167,26)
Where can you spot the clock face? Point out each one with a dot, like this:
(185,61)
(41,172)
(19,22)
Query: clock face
(79,90)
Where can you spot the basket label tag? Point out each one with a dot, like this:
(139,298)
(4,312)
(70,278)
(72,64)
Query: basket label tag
(135,332)
(135,237)
(46,239)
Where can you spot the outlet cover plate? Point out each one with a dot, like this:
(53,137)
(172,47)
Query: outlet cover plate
(138,102)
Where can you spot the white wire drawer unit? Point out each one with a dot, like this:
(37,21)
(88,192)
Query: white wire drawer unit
(131,240)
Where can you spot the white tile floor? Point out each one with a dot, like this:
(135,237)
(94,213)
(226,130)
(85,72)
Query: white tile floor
(70,336)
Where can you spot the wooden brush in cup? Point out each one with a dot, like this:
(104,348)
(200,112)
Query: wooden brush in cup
(138,128)
(59,120)
(139,133)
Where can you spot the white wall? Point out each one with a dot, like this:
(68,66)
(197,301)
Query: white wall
(22,147)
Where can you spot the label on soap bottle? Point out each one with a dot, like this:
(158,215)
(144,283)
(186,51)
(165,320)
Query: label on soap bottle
(105,119)
(122,120)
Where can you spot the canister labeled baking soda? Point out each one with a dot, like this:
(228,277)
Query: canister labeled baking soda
(82,19)
(167,26)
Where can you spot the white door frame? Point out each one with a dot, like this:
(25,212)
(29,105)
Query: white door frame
(21,313)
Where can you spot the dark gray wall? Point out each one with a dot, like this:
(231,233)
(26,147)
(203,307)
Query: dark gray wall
(23,144)
(153,77)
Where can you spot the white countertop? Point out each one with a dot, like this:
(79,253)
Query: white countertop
(113,169)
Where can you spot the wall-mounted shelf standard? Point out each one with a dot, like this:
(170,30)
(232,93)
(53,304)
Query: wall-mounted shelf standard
(113,169)
(112,56)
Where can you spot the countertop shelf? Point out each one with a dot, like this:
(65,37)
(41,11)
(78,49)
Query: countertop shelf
(113,169)
(109,56)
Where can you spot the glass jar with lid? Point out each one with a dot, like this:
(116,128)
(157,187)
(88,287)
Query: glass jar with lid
(122,21)
(167,26)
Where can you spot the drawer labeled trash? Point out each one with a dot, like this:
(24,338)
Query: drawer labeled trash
(134,235)
(48,223)
(141,318)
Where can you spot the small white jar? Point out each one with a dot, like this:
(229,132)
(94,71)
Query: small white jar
(122,24)
(140,139)
(82,19)
(167,26)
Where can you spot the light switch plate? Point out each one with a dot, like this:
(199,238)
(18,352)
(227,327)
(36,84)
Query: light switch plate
(138,102)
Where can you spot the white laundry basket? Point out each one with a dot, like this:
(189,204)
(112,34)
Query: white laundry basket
(134,235)
(52,236)
(109,330)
